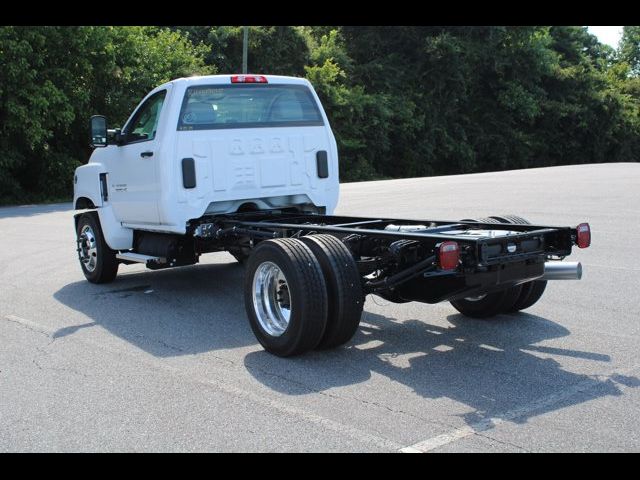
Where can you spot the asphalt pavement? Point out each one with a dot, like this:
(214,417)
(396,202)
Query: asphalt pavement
(166,360)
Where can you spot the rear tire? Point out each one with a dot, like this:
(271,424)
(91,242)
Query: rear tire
(515,219)
(285,297)
(490,304)
(98,262)
(481,220)
(344,289)
(531,291)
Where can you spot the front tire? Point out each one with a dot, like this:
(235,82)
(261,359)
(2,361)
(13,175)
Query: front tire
(285,297)
(98,262)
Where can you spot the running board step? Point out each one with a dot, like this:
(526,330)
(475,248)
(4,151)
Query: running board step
(140,258)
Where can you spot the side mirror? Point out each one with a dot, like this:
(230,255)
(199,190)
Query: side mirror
(98,131)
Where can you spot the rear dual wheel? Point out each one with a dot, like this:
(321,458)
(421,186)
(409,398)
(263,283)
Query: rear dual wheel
(489,305)
(344,290)
(508,300)
(531,291)
(302,294)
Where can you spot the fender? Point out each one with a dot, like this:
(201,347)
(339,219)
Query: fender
(87,185)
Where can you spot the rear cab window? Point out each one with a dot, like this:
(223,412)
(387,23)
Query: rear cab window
(211,107)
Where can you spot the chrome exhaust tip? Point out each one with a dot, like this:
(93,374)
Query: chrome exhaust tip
(562,271)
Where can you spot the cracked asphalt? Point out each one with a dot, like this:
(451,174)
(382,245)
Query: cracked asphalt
(166,361)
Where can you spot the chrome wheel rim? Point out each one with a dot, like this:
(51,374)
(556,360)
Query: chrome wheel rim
(88,248)
(271,299)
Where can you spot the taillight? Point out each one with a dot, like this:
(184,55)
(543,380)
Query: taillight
(584,235)
(448,255)
(249,79)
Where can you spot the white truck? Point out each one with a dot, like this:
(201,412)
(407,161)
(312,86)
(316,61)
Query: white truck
(248,164)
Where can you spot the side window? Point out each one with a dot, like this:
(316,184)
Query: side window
(144,123)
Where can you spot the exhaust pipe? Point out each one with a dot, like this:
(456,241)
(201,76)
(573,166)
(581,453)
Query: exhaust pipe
(562,271)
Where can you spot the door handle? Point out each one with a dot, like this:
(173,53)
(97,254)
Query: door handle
(146,154)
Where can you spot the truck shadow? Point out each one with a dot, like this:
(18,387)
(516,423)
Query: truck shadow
(180,311)
(493,367)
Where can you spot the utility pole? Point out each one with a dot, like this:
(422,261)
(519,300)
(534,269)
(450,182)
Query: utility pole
(245,49)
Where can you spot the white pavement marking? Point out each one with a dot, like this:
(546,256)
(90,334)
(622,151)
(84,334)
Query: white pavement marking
(488,423)
(33,326)
(352,432)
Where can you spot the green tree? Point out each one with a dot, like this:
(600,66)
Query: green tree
(629,50)
(53,78)
(279,50)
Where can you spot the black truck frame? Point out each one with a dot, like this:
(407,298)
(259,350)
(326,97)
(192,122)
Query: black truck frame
(401,263)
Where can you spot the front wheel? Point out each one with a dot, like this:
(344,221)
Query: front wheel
(98,262)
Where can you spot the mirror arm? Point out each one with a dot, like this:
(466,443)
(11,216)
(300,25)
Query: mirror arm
(119,137)
(116,135)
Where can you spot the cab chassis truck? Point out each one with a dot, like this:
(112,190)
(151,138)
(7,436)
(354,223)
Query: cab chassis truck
(248,164)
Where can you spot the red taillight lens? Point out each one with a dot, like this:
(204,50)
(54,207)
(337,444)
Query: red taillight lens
(584,235)
(448,255)
(249,79)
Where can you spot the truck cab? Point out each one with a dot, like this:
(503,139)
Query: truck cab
(210,145)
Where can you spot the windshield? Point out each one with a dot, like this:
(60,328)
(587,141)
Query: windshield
(248,106)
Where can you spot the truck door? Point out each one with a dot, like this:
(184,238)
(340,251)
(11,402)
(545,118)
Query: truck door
(133,173)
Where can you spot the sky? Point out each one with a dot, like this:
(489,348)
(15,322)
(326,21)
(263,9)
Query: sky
(608,35)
